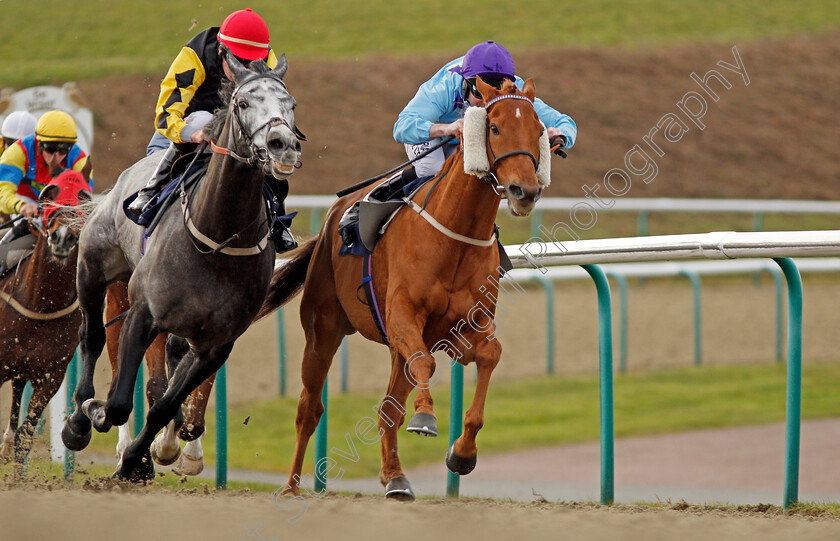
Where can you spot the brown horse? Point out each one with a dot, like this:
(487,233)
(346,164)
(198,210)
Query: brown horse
(165,449)
(436,285)
(39,316)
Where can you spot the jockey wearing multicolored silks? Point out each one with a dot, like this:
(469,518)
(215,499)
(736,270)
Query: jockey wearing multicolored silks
(28,165)
(437,110)
(189,94)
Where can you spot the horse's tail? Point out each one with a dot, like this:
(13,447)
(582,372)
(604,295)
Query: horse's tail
(289,278)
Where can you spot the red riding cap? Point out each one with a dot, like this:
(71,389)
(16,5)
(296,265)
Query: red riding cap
(245,34)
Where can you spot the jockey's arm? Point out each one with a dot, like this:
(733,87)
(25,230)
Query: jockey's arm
(556,123)
(13,163)
(177,89)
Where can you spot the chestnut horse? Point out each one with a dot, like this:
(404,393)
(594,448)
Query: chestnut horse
(39,315)
(165,449)
(435,276)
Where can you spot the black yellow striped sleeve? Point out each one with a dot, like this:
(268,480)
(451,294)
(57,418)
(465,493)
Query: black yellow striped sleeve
(179,86)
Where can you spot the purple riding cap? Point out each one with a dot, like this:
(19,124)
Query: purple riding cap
(488,59)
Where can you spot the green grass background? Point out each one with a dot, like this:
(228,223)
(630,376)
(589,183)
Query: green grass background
(50,40)
(533,412)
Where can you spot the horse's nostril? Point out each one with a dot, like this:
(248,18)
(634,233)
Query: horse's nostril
(277,145)
(515,191)
(297,146)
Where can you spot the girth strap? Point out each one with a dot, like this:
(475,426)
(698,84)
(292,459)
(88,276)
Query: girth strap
(35,315)
(446,231)
(373,304)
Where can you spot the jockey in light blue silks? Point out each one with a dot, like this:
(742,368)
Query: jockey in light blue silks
(437,111)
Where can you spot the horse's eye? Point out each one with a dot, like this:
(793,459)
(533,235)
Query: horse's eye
(243,105)
(494,129)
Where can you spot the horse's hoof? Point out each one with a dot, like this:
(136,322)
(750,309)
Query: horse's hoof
(142,473)
(423,423)
(399,489)
(189,465)
(164,461)
(95,411)
(73,440)
(459,465)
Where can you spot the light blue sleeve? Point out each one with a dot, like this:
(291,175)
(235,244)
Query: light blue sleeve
(433,103)
(553,119)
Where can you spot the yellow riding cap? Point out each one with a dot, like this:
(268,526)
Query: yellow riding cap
(56,126)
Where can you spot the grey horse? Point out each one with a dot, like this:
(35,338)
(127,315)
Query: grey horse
(205,270)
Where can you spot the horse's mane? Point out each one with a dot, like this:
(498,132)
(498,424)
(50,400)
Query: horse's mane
(214,129)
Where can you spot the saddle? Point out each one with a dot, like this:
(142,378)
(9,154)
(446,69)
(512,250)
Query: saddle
(15,252)
(187,169)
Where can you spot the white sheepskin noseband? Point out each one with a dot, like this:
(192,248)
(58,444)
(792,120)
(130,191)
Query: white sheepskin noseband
(475,147)
(475,142)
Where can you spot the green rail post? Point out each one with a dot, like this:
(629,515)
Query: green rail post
(315,221)
(321,442)
(281,352)
(643,223)
(221,428)
(622,320)
(793,405)
(536,222)
(343,354)
(456,420)
(698,315)
(777,281)
(71,379)
(606,377)
(139,402)
(549,326)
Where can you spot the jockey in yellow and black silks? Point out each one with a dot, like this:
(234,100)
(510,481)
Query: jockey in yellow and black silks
(189,94)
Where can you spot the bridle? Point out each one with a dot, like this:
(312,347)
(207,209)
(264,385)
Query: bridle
(258,155)
(491,179)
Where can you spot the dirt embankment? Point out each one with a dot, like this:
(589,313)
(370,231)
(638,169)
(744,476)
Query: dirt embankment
(775,138)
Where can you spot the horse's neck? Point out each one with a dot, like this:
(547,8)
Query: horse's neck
(229,200)
(45,284)
(462,202)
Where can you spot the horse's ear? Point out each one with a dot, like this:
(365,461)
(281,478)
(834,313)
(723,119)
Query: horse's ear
(239,71)
(529,89)
(281,67)
(49,193)
(85,196)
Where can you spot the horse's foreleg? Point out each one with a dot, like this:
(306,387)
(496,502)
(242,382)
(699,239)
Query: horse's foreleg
(165,448)
(137,333)
(42,391)
(7,450)
(91,288)
(391,417)
(406,334)
(136,462)
(192,458)
(461,457)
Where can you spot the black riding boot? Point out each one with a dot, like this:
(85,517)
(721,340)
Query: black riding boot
(159,179)
(383,192)
(280,233)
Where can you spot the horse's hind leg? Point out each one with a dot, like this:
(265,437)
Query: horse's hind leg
(91,287)
(461,457)
(137,334)
(324,325)
(193,369)
(7,450)
(391,417)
